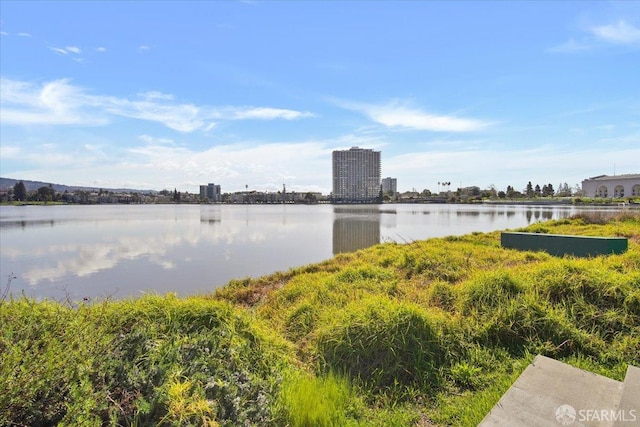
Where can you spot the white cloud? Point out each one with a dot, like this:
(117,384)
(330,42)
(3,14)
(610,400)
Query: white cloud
(261,166)
(52,103)
(620,33)
(58,50)
(101,49)
(156,141)
(144,48)
(157,162)
(3,33)
(179,117)
(396,115)
(24,35)
(571,46)
(60,102)
(9,152)
(156,95)
(66,50)
(269,114)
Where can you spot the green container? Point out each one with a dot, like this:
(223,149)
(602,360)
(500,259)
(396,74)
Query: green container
(559,245)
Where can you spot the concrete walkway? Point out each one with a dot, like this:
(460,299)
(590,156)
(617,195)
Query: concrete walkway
(551,393)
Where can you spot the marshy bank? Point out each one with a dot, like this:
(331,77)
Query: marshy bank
(431,332)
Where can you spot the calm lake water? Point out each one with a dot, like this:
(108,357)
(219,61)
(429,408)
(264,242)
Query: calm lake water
(120,251)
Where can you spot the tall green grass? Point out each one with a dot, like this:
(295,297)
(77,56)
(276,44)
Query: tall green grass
(323,401)
(382,344)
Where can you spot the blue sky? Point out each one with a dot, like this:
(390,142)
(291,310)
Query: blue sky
(155,95)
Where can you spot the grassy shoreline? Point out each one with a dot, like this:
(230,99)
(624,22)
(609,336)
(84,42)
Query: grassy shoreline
(427,333)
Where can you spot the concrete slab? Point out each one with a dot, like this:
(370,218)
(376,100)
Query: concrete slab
(551,393)
(629,407)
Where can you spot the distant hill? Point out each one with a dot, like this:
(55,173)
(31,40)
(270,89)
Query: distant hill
(6,183)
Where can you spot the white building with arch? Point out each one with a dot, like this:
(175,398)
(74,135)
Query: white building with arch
(617,186)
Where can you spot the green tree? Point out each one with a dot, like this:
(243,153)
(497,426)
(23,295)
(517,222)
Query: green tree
(20,191)
(45,193)
(529,190)
(537,191)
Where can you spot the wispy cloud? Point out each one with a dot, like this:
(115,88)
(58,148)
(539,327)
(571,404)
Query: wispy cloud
(398,115)
(24,34)
(594,36)
(52,103)
(66,50)
(3,33)
(571,46)
(60,102)
(101,49)
(269,114)
(179,117)
(151,140)
(620,32)
(144,48)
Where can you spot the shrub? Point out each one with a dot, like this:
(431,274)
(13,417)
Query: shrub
(155,360)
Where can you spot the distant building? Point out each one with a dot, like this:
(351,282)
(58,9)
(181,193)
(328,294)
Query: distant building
(356,176)
(211,192)
(616,186)
(390,185)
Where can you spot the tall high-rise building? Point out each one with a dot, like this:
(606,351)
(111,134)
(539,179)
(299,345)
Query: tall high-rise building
(356,176)
(389,185)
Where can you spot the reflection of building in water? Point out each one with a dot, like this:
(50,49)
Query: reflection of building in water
(210,214)
(356,176)
(355,229)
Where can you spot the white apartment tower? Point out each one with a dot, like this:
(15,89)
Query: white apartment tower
(356,176)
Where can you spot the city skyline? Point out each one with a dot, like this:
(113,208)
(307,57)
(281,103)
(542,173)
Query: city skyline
(155,95)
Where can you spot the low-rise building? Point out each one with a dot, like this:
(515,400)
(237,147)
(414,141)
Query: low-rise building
(616,186)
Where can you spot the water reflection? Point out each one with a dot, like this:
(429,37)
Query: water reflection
(101,250)
(355,227)
(210,214)
(7,225)
(538,215)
